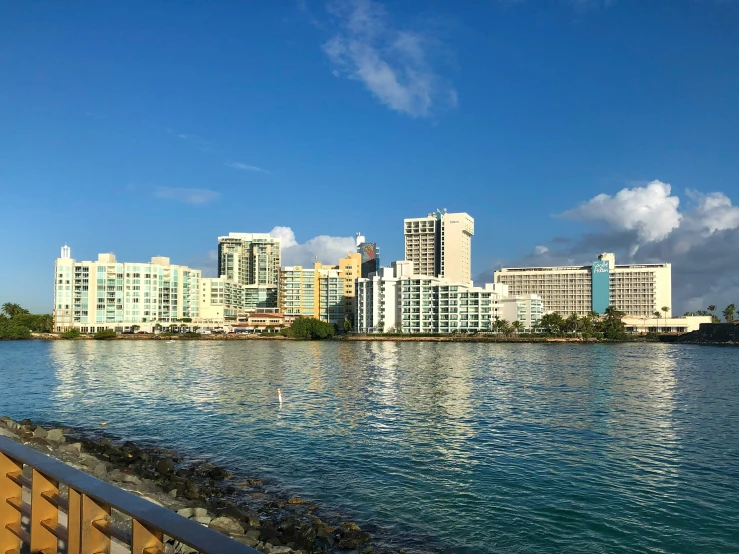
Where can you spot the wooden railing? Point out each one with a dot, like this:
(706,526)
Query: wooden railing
(61,509)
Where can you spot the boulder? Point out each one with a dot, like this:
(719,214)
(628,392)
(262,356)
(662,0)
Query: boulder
(204,520)
(227,525)
(100,470)
(165,465)
(200,512)
(132,479)
(40,433)
(186,512)
(296,500)
(279,550)
(252,534)
(55,435)
(8,434)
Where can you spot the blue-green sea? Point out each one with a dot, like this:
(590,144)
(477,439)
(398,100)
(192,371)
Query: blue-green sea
(437,447)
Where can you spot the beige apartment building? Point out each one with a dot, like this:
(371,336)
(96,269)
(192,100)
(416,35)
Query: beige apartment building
(108,294)
(249,258)
(225,299)
(639,290)
(440,245)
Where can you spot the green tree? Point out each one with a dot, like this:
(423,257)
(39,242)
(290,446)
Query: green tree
(309,328)
(348,326)
(12,310)
(506,328)
(729,313)
(553,322)
(712,309)
(665,309)
(11,330)
(572,323)
(612,325)
(517,326)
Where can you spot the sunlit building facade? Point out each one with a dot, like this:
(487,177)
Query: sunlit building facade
(249,258)
(639,290)
(105,294)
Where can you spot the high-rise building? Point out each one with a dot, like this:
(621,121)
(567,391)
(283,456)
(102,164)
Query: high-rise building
(318,292)
(637,289)
(370,255)
(440,245)
(106,294)
(397,299)
(249,258)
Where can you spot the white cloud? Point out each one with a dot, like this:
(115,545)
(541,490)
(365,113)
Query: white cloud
(541,250)
(393,64)
(713,212)
(195,197)
(651,211)
(246,167)
(326,249)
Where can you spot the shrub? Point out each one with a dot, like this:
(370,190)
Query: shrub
(309,328)
(9,330)
(191,335)
(105,334)
(71,334)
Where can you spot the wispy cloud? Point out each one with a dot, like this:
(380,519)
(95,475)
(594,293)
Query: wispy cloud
(246,167)
(392,63)
(196,197)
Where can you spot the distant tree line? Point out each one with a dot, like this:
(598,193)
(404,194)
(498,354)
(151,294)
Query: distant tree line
(18,323)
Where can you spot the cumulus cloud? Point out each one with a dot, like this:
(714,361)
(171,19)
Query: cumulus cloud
(196,197)
(323,248)
(652,211)
(393,64)
(541,249)
(646,225)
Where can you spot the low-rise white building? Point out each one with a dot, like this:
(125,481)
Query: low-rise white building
(683,324)
(396,299)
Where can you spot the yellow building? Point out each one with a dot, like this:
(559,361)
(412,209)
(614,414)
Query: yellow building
(326,292)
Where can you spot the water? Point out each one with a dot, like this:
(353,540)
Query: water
(441,447)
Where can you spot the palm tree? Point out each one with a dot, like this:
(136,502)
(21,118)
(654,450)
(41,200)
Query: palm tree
(712,308)
(517,326)
(665,309)
(729,313)
(12,310)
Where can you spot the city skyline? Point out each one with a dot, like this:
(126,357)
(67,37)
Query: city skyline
(565,128)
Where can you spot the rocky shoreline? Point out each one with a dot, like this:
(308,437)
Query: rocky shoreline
(204,492)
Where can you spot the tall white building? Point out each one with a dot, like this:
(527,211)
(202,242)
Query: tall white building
(398,299)
(106,294)
(249,258)
(637,289)
(440,245)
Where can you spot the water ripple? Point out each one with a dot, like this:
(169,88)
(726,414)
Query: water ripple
(456,448)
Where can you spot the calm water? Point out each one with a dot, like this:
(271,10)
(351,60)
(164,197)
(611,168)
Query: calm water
(446,447)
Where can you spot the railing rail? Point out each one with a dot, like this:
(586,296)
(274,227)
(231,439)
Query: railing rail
(89,527)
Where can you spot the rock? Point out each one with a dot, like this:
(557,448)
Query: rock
(227,525)
(218,473)
(116,475)
(100,470)
(55,435)
(296,500)
(186,512)
(9,435)
(165,465)
(9,423)
(69,449)
(173,493)
(279,550)
(88,460)
(40,433)
(132,479)
(200,512)
(192,491)
(248,541)
(252,534)
(204,520)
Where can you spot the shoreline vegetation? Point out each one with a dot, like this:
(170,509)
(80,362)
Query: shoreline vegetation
(236,505)
(16,323)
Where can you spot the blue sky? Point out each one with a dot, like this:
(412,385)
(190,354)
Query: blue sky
(151,128)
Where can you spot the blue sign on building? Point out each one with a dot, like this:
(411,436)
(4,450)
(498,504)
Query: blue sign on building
(600,288)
